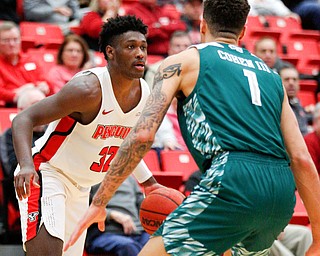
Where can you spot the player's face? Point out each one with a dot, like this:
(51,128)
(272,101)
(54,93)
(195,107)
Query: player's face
(130,54)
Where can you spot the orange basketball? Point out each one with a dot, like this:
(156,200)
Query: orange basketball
(157,206)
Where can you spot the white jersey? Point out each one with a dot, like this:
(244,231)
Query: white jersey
(84,152)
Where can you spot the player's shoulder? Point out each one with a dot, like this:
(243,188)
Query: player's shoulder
(83,83)
(187,58)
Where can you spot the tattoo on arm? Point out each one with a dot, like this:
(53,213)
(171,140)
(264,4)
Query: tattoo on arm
(138,141)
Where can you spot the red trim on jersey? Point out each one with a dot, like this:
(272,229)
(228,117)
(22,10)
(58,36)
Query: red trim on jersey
(34,212)
(57,137)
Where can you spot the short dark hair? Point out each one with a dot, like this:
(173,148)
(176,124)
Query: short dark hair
(119,25)
(226,15)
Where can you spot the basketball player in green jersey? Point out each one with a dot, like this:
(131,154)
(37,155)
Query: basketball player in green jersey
(237,123)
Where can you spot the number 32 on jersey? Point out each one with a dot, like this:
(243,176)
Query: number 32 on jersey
(107,154)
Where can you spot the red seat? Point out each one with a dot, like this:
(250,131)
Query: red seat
(307,98)
(308,85)
(99,59)
(254,21)
(283,23)
(46,57)
(300,215)
(151,59)
(36,34)
(152,161)
(178,161)
(169,179)
(6,116)
(309,55)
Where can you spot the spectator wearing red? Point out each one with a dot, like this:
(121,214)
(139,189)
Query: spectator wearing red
(161,24)
(313,139)
(18,70)
(72,57)
(91,23)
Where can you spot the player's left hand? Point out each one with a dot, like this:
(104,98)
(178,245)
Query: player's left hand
(93,214)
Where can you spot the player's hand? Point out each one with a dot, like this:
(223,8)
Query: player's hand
(93,214)
(150,185)
(64,10)
(23,182)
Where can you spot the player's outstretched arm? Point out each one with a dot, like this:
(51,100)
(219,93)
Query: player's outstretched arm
(304,171)
(95,214)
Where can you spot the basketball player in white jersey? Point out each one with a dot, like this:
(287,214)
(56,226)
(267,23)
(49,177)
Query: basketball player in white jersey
(89,118)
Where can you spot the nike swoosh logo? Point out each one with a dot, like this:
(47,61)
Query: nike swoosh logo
(104,112)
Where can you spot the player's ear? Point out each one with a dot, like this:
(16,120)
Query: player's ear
(203,26)
(243,32)
(110,52)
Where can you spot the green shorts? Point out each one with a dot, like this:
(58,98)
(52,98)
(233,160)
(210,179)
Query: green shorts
(243,202)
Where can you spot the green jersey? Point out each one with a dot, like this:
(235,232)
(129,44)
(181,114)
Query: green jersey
(235,106)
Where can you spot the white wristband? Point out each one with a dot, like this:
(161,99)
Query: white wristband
(142,172)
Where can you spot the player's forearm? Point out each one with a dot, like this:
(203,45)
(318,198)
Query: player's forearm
(128,157)
(308,185)
(22,140)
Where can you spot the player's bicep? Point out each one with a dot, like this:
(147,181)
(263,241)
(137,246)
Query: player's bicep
(73,97)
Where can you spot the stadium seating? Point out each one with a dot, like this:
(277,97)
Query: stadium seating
(169,179)
(46,57)
(37,34)
(152,161)
(296,45)
(300,215)
(307,98)
(178,161)
(99,59)
(6,116)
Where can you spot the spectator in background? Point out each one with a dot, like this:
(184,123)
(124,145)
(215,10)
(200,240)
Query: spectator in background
(308,10)
(91,23)
(161,24)
(313,138)
(173,117)
(8,11)
(61,12)
(30,96)
(72,57)
(18,70)
(191,16)
(124,235)
(179,41)
(9,162)
(290,80)
(271,8)
(168,136)
(266,49)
